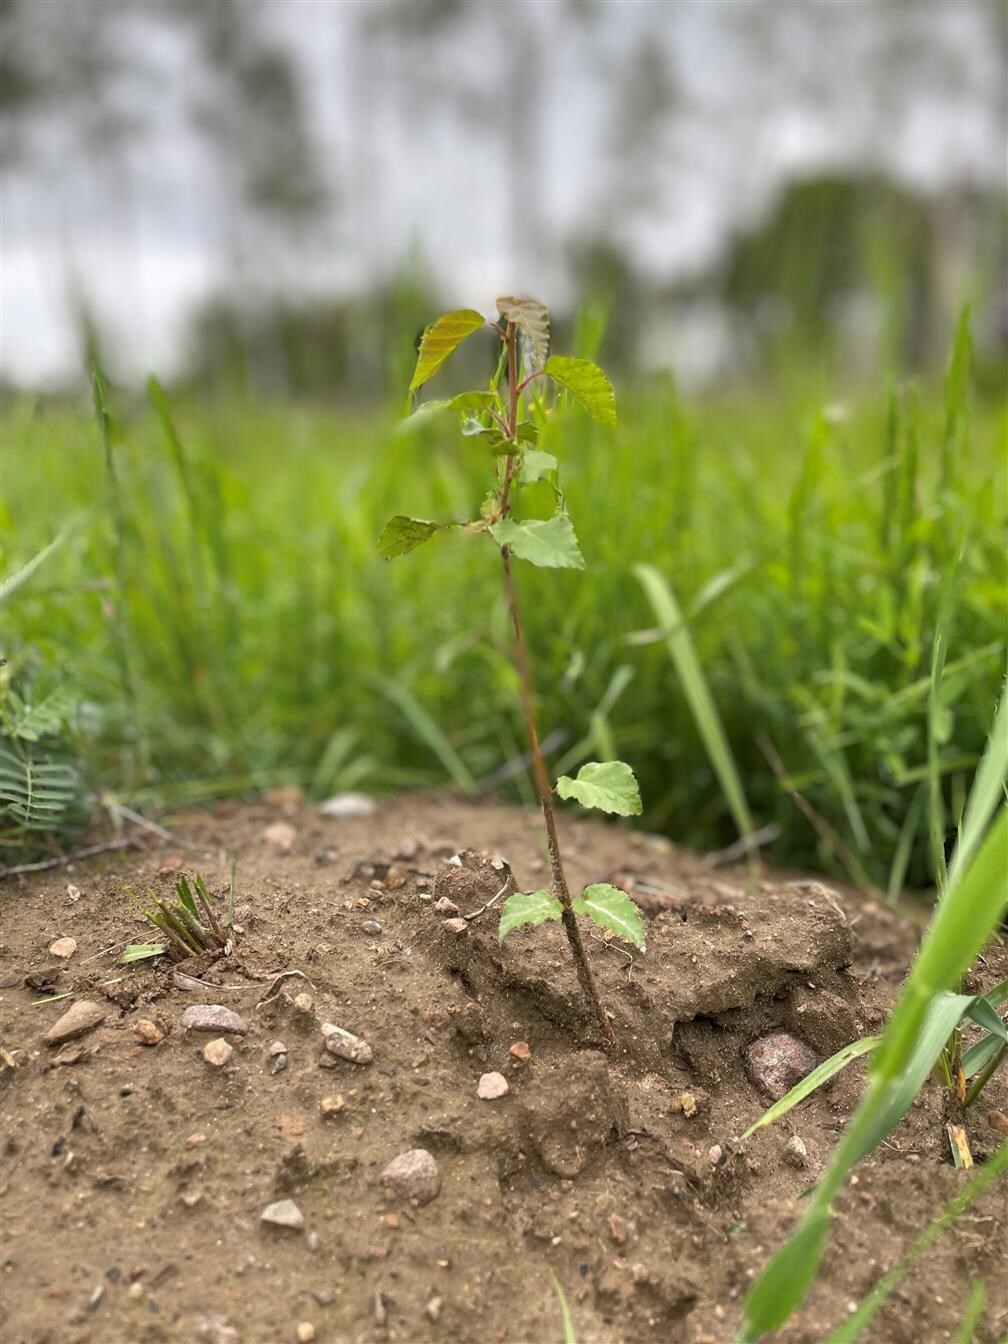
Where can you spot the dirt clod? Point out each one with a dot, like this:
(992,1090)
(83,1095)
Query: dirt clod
(64,948)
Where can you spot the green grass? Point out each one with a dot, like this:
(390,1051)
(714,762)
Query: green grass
(217,606)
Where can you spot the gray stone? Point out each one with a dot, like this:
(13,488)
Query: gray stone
(346,1045)
(284,1213)
(212,1017)
(413,1176)
(795,1152)
(79,1017)
(777,1062)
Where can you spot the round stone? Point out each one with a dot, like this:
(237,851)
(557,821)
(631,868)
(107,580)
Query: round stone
(413,1176)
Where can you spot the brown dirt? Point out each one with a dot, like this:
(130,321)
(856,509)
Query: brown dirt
(142,1171)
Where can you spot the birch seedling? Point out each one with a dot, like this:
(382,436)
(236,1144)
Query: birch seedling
(503,420)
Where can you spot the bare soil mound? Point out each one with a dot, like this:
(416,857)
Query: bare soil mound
(140,1156)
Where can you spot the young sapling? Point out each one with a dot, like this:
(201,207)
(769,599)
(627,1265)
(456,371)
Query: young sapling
(505,420)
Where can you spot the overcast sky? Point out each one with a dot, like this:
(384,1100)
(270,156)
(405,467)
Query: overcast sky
(415,172)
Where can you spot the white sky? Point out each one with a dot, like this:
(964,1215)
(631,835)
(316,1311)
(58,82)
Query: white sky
(146,244)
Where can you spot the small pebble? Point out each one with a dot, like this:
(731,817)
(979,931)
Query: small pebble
(346,805)
(278,1065)
(998,1122)
(213,1330)
(444,906)
(380,1313)
(280,835)
(617,1228)
(346,1045)
(639,1273)
(63,948)
(521,1050)
(80,1017)
(371,926)
(714,1154)
(218,1053)
(136,1291)
(95,1298)
(195,1140)
(147,1032)
(491,1086)
(456,926)
(413,1176)
(284,1213)
(304,1004)
(212,1017)
(795,1152)
(433,1308)
(305,1332)
(73,893)
(330,1106)
(312,1241)
(276,1048)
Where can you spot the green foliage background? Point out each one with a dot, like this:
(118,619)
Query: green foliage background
(221,615)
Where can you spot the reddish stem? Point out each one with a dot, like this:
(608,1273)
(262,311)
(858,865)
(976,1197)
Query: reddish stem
(540,774)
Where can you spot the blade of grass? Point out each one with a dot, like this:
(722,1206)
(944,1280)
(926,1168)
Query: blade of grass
(883,1290)
(988,789)
(426,728)
(966,1333)
(827,1070)
(972,907)
(568,1323)
(683,653)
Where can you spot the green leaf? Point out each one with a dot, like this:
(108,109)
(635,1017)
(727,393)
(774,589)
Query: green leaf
(466,403)
(400,535)
(608,785)
(534,466)
(142,952)
(827,1070)
(587,384)
(533,321)
(440,339)
(527,907)
(787,1278)
(614,910)
(500,444)
(549,543)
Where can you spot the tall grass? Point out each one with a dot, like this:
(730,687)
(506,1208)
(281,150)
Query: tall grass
(219,607)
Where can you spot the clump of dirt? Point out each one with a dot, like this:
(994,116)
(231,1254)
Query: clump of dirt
(361,1184)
